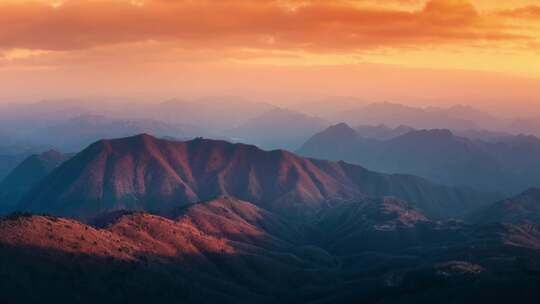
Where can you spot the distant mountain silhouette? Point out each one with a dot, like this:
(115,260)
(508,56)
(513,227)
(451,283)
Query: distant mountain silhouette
(328,108)
(8,162)
(150,174)
(279,129)
(36,115)
(484,135)
(394,115)
(77,133)
(528,126)
(382,131)
(27,175)
(467,113)
(510,165)
(212,114)
(14,150)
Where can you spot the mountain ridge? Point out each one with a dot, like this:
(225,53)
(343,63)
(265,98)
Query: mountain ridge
(234,252)
(150,174)
(26,175)
(509,165)
(521,209)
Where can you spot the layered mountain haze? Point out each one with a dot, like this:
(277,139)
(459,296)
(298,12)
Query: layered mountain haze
(383,132)
(525,125)
(278,129)
(27,175)
(70,125)
(9,162)
(328,108)
(146,173)
(480,118)
(218,113)
(13,150)
(77,133)
(510,164)
(380,132)
(394,115)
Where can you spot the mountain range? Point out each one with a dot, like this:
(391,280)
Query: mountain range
(203,220)
(40,125)
(510,164)
(13,151)
(8,163)
(150,174)
(231,251)
(77,133)
(393,115)
(521,209)
(215,114)
(278,129)
(397,215)
(383,132)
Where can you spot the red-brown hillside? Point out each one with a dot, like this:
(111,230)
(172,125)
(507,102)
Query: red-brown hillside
(150,174)
(214,250)
(376,250)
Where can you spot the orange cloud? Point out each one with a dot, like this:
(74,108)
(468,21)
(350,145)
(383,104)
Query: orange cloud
(314,25)
(528,12)
(264,47)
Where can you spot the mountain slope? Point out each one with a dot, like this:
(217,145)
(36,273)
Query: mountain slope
(27,175)
(369,251)
(371,224)
(146,173)
(382,131)
(510,165)
(9,162)
(524,208)
(218,250)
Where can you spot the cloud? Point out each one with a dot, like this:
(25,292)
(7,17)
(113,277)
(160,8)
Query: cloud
(529,12)
(310,25)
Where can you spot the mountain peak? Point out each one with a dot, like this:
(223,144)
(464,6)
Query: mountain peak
(134,143)
(52,152)
(150,174)
(432,134)
(140,137)
(341,130)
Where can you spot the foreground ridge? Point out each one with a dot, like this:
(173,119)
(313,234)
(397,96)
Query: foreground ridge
(375,250)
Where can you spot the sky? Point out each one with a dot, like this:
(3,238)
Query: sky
(483,53)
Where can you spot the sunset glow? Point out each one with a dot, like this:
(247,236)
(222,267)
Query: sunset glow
(270,151)
(163,48)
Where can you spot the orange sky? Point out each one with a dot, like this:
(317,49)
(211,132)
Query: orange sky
(480,52)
